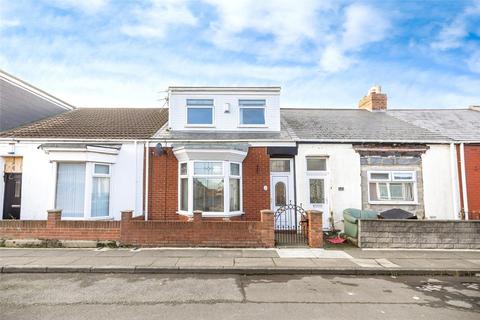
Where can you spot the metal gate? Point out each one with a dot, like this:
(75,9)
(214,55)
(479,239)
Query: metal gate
(291,226)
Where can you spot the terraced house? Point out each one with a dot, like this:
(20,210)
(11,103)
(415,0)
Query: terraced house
(229,152)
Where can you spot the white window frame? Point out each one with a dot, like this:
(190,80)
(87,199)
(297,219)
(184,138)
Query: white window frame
(317,174)
(392,179)
(89,174)
(101,175)
(226,175)
(240,107)
(195,125)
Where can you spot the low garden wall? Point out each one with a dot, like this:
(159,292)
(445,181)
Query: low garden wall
(135,231)
(419,234)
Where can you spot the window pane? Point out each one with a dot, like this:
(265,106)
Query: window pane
(252,115)
(208,194)
(408,191)
(280,194)
(252,102)
(102,169)
(383,191)
(316,164)
(279,165)
(379,176)
(199,102)
(100,196)
(396,191)
(200,115)
(183,169)
(317,193)
(234,169)
(403,176)
(70,195)
(208,168)
(373,192)
(184,194)
(234,194)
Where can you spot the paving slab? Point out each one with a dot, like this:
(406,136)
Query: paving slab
(386,263)
(16,260)
(164,262)
(254,262)
(50,261)
(260,253)
(294,263)
(205,262)
(334,263)
(367,263)
(224,253)
(172,252)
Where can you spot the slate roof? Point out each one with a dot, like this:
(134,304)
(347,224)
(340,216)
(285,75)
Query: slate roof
(95,123)
(457,124)
(354,125)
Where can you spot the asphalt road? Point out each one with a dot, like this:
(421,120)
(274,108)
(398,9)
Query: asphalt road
(130,296)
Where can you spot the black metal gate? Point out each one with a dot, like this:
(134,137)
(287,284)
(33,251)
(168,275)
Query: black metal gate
(291,226)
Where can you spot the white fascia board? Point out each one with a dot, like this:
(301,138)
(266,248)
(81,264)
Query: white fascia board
(224,90)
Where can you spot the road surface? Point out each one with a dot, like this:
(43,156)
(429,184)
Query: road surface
(132,296)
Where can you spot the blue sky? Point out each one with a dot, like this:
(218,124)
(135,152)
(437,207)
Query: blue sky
(424,54)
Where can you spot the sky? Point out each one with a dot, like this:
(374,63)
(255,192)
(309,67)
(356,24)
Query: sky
(323,53)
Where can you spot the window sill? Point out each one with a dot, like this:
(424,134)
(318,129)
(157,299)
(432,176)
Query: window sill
(199,126)
(213,214)
(252,126)
(412,203)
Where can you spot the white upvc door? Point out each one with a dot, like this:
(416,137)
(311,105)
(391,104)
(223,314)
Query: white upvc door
(318,196)
(282,191)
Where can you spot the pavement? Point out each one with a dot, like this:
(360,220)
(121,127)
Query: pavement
(87,296)
(349,261)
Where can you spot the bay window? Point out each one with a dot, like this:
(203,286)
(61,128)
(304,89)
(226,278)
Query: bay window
(392,186)
(213,187)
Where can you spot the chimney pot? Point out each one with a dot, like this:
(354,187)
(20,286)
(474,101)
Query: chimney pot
(374,101)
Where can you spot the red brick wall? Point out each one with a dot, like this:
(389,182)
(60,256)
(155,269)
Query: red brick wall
(163,186)
(163,192)
(256,175)
(472,172)
(134,231)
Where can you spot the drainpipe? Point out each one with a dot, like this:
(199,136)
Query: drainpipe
(147,171)
(464,180)
(453,169)
(135,146)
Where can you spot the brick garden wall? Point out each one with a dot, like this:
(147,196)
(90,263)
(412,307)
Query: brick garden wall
(419,234)
(138,232)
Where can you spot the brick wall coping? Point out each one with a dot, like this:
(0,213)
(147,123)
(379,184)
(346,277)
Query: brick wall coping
(422,220)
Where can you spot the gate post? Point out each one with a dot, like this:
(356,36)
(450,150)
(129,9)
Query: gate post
(268,225)
(315,226)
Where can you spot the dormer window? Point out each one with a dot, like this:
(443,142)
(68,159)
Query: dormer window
(200,112)
(252,112)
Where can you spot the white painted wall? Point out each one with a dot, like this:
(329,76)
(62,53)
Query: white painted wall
(437,183)
(343,166)
(39,179)
(222,120)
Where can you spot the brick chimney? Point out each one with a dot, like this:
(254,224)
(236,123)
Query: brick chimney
(374,101)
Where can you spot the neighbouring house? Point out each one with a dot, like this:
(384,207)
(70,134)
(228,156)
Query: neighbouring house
(229,152)
(462,126)
(22,103)
(88,162)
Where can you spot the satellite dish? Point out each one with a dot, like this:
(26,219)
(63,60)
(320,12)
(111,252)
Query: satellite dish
(159,149)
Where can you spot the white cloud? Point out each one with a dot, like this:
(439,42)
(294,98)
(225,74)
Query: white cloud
(271,28)
(452,34)
(154,21)
(87,6)
(363,25)
(474,62)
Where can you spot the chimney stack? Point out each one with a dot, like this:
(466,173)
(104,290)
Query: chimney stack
(374,101)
